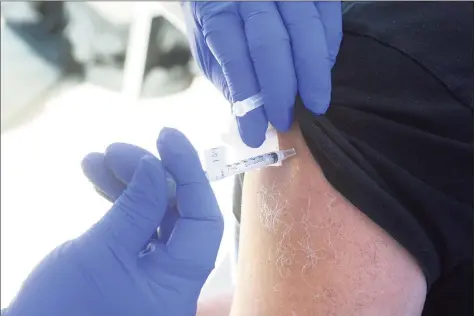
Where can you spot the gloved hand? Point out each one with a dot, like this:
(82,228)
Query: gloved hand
(110,270)
(275,48)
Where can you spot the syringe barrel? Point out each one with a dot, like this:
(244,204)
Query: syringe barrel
(242,166)
(257,162)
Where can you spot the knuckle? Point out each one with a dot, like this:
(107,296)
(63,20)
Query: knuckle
(205,10)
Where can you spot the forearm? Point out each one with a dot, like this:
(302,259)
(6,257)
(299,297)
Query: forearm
(305,250)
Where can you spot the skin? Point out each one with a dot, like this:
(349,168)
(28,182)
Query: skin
(305,250)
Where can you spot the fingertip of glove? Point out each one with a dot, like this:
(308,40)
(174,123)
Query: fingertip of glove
(316,102)
(124,150)
(253,141)
(150,163)
(149,175)
(91,160)
(172,142)
(318,108)
(283,121)
(112,151)
(252,136)
(168,133)
(253,127)
(123,158)
(114,147)
(99,176)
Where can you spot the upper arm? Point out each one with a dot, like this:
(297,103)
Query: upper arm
(305,250)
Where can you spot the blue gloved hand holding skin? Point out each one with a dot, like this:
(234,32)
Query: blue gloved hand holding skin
(273,48)
(121,266)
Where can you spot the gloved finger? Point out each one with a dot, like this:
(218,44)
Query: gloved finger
(205,59)
(271,54)
(252,127)
(224,34)
(180,158)
(102,194)
(331,16)
(199,229)
(122,159)
(310,51)
(110,179)
(138,212)
(96,171)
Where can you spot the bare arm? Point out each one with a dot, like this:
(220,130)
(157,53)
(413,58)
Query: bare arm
(305,250)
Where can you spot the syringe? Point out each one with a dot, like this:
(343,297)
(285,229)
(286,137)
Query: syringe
(252,163)
(236,168)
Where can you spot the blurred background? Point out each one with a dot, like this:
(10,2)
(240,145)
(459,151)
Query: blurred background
(75,77)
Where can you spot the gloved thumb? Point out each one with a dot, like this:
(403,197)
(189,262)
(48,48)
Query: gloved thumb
(137,213)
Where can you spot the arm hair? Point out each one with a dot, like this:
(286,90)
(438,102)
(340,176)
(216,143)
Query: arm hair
(305,250)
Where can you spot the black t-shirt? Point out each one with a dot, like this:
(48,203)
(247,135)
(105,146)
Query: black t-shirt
(397,140)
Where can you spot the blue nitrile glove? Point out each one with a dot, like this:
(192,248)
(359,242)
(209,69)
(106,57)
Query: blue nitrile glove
(272,48)
(110,270)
